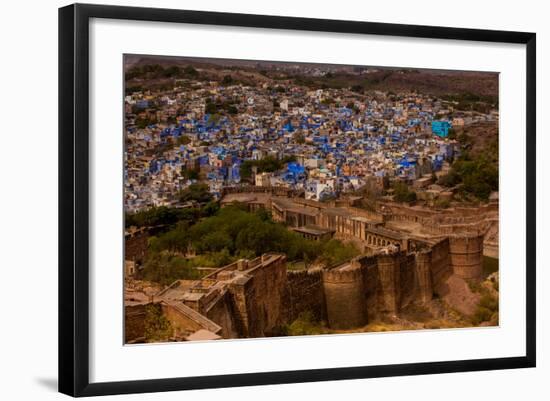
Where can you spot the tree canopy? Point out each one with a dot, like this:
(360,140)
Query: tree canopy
(268,164)
(232,233)
(402,193)
(195,192)
(477,175)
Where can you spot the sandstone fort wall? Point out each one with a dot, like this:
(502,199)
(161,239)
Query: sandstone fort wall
(305,293)
(134,322)
(345,298)
(258,301)
(466,254)
(222,313)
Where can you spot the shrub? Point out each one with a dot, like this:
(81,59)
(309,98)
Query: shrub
(489,302)
(165,268)
(195,192)
(304,325)
(486,309)
(402,193)
(478,176)
(490,265)
(481,315)
(157,216)
(442,203)
(157,327)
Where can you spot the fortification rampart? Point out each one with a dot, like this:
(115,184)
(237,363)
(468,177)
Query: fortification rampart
(466,254)
(278,191)
(305,293)
(352,211)
(257,298)
(379,286)
(221,312)
(423,273)
(345,298)
(389,271)
(409,291)
(134,322)
(441,268)
(459,220)
(254,298)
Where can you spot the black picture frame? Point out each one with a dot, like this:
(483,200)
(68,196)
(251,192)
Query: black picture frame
(74,198)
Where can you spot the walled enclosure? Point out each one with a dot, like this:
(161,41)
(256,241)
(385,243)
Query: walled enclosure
(255,298)
(380,286)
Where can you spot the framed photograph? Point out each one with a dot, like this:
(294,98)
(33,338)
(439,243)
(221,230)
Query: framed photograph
(250,199)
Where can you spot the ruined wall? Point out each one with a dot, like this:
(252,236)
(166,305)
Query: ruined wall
(466,255)
(304,292)
(345,298)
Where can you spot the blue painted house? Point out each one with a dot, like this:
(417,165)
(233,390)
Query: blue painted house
(441,128)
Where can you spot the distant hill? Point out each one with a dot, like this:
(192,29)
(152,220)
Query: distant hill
(386,79)
(435,82)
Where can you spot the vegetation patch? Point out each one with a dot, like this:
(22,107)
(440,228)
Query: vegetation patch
(157,327)
(214,240)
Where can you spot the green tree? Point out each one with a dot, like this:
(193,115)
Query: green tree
(154,216)
(227,80)
(175,240)
(299,138)
(257,237)
(210,107)
(335,252)
(304,325)
(402,193)
(183,140)
(267,164)
(214,242)
(478,176)
(195,192)
(172,71)
(190,72)
(165,268)
(190,173)
(210,209)
(230,233)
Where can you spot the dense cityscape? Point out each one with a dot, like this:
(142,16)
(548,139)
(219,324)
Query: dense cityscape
(326,171)
(336,140)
